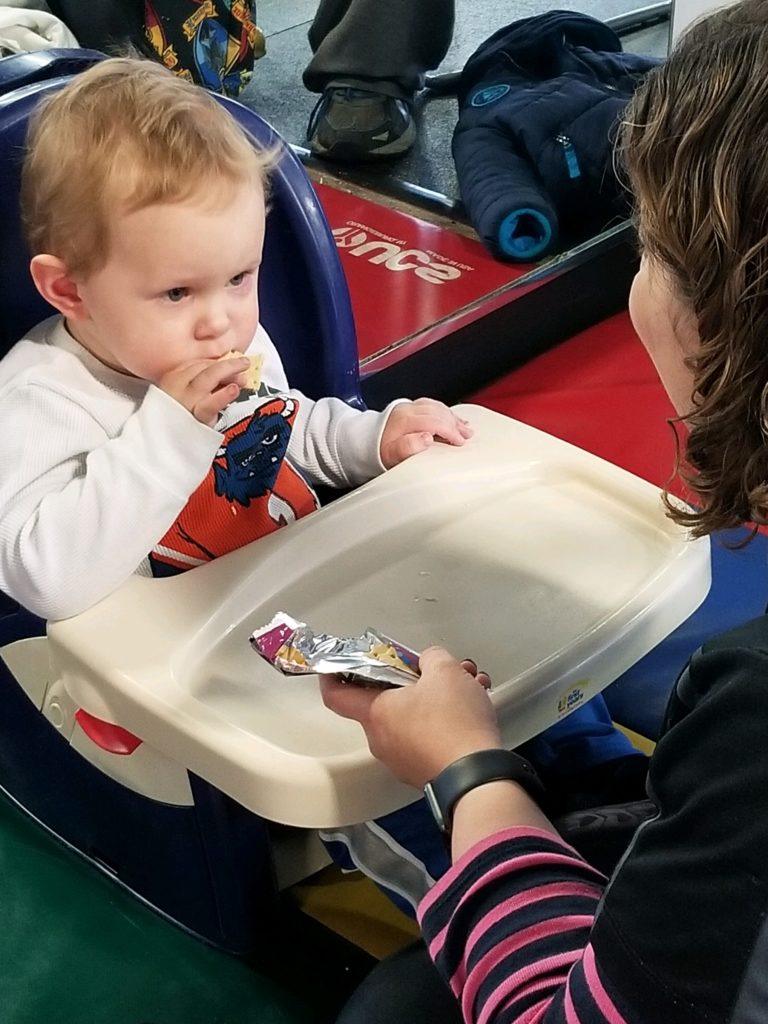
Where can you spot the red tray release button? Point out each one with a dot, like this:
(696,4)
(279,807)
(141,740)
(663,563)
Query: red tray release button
(105,735)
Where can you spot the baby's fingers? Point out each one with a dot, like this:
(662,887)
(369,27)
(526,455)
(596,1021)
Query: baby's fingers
(442,424)
(397,451)
(222,371)
(207,408)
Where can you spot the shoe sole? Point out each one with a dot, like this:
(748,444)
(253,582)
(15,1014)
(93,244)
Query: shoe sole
(349,152)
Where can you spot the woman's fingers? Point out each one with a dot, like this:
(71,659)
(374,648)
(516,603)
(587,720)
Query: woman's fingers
(346,699)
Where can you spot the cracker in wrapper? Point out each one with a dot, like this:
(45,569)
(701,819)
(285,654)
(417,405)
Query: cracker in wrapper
(370,659)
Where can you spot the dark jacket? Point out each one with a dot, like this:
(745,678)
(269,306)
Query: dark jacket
(680,935)
(539,104)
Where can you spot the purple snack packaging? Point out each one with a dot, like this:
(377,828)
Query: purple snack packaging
(371,658)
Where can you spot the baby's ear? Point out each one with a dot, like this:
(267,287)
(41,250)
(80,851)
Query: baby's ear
(53,281)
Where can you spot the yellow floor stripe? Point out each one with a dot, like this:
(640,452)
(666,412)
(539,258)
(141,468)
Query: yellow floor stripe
(642,743)
(352,906)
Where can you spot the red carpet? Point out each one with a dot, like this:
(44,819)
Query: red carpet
(599,391)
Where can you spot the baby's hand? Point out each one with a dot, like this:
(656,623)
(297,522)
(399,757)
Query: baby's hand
(206,386)
(414,426)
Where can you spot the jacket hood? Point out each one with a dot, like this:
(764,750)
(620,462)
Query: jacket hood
(530,36)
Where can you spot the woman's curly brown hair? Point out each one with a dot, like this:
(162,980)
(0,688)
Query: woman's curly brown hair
(695,146)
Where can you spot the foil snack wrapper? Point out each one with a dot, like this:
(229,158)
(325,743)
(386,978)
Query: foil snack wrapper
(373,658)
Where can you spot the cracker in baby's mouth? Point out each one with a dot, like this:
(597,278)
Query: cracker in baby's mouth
(253,373)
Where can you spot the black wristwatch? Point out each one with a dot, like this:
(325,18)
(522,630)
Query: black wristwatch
(474,770)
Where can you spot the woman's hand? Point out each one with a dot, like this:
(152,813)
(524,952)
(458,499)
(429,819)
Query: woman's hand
(420,729)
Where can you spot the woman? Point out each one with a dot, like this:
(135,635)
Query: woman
(521,927)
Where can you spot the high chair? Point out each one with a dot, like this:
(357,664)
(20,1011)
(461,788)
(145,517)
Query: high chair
(147,735)
(20,69)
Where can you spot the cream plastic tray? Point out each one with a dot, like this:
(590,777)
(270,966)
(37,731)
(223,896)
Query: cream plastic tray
(555,570)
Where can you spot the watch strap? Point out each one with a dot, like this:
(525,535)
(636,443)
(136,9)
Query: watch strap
(473,770)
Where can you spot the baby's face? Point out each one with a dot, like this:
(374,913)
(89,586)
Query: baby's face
(180,285)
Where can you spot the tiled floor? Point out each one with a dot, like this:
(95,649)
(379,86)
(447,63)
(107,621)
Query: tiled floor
(278,94)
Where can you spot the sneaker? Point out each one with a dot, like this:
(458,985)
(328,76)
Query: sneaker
(612,782)
(350,124)
(602,834)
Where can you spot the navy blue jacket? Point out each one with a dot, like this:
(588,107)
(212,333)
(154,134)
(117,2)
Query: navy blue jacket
(539,104)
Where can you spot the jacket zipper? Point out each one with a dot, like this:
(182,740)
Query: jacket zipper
(571,160)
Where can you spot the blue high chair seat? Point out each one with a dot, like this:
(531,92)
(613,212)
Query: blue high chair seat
(205,863)
(739,592)
(19,69)
(304,298)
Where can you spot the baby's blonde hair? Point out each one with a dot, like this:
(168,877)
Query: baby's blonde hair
(122,136)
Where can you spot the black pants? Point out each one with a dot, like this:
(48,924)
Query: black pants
(390,42)
(403,989)
(104,25)
(407,989)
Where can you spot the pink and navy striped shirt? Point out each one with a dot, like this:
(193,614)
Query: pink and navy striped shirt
(526,932)
(508,927)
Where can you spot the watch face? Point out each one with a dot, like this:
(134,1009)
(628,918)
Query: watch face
(434,806)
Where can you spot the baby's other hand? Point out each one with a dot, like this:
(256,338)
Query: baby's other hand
(414,426)
(206,386)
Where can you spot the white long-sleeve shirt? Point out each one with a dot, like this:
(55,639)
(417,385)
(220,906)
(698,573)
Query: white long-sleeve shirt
(103,475)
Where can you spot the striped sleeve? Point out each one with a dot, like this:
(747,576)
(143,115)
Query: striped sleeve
(508,927)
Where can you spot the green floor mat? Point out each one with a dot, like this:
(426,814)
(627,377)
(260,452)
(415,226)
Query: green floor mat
(74,949)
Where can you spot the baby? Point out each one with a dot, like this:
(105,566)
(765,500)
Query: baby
(127,443)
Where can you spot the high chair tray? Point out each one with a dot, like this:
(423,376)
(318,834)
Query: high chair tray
(554,570)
